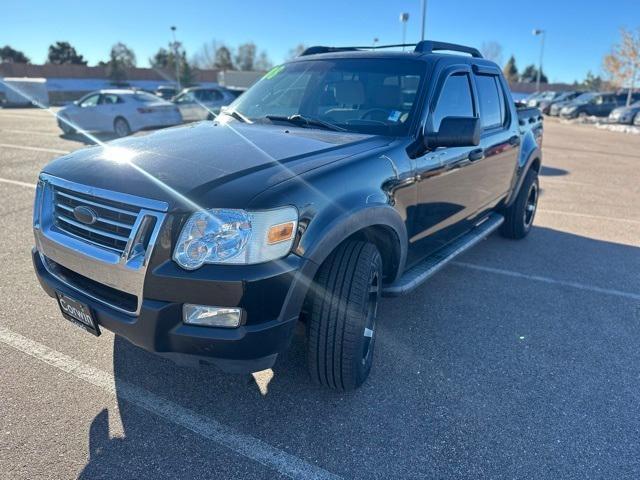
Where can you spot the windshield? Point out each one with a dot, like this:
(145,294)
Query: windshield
(360,95)
(584,98)
(547,96)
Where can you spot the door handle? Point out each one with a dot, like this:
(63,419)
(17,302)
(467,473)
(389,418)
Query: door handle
(515,140)
(477,154)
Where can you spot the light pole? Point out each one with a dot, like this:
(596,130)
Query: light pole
(375,41)
(541,33)
(424,18)
(404,18)
(176,57)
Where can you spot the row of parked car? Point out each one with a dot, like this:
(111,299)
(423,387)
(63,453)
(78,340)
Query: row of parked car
(124,111)
(575,104)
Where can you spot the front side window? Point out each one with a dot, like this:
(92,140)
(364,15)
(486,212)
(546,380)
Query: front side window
(492,112)
(355,94)
(455,99)
(187,97)
(90,101)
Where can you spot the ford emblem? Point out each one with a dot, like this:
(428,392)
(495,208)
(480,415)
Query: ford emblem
(85,215)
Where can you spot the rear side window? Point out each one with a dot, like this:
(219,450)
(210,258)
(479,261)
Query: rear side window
(492,110)
(455,99)
(110,99)
(208,95)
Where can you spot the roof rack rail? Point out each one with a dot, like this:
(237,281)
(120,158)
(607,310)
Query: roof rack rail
(429,46)
(323,49)
(425,46)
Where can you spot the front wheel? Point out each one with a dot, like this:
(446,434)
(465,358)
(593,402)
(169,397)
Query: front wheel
(518,218)
(65,126)
(342,321)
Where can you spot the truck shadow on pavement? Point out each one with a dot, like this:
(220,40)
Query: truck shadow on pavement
(553,171)
(86,140)
(476,374)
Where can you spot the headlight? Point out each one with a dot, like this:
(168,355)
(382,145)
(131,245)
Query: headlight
(226,236)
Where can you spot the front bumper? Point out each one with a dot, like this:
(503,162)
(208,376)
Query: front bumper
(158,326)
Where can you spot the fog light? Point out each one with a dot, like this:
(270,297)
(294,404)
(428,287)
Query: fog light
(211,316)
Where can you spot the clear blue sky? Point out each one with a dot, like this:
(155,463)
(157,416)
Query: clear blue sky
(579,32)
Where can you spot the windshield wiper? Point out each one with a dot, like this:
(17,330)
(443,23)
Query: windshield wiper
(298,119)
(235,114)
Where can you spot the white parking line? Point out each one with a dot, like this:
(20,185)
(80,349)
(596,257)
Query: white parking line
(30,132)
(4,115)
(35,149)
(246,445)
(18,182)
(587,215)
(552,281)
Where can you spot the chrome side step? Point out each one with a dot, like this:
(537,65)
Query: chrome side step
(416,275)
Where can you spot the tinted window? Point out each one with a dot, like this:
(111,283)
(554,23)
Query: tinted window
(491,106)
(109,99)
(455,99)
(208,95)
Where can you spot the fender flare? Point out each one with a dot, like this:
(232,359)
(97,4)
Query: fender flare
(325,239)
(535,154)
(331,235)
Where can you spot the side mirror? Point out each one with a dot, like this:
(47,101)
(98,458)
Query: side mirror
(455,132)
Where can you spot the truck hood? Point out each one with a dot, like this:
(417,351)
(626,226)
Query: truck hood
(189,161)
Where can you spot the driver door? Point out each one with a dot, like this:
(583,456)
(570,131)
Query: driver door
(85,115)
(446,189)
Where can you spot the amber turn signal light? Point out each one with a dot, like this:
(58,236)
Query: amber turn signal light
(280,233)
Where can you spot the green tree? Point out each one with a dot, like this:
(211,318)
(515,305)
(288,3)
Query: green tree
(530,74)
(223,59)
(593,82)
(510,70)
(10,55)
(61,53)
(165,59)
(246,56)
(162,59)
(121,59)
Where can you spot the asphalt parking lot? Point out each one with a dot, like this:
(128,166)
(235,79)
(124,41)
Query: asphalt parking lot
(520,360)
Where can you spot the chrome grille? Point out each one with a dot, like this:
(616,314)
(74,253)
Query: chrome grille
(107,259)
(113,226)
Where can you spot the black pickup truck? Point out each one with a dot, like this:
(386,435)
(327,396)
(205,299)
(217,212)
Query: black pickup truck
(341,176)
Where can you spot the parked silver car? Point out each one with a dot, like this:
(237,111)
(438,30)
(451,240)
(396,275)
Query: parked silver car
(119,111)
(625,115)
(202,103)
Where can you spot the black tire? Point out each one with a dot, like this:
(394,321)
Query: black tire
(341,322)
(518,218)
(65,127)
(121,127)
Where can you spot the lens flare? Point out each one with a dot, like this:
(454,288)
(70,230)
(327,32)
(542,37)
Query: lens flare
(118,154)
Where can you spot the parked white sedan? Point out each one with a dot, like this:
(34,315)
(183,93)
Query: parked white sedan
(202,103)
(119,111)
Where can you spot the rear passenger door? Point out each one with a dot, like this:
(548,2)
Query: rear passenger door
(500,138)
(107,111)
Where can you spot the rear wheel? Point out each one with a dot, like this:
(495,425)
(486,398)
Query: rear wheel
(518,218)
(121,127)
(342,319)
